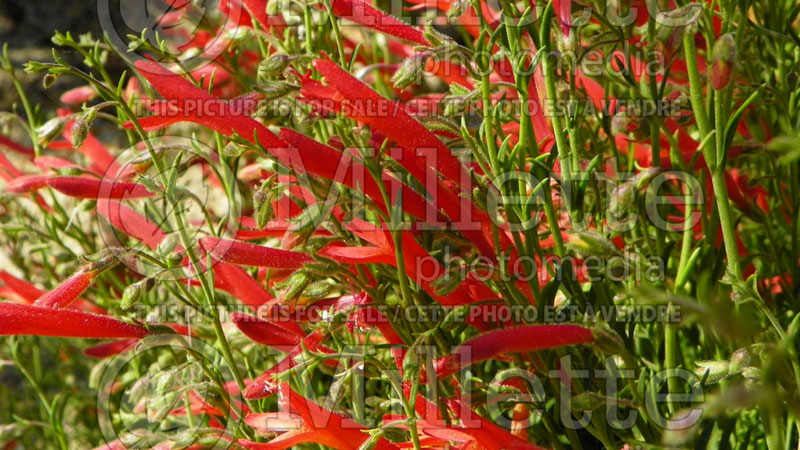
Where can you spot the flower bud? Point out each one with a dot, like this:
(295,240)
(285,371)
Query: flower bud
(49,80)
(457,9)
(262,202)
(272,90)
(608,341)
(440,123)
(410,72)
(716,370)
(723,57)
(50,130)
(668,40)
(274,65)
(159,407)
(134,292)
(592,243)
(295,286)
(80,129)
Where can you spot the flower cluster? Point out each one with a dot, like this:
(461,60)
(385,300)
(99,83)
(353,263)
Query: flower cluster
(406,154)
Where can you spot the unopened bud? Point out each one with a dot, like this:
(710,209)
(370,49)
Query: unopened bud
(457,8)
(592,243)
(159,407)
(608,341)
(274,65)
(134,292)
(410,72)
(272,90)
(318,290)
(50,130)
(80,129)
(440,123)
(49,80)
(295,286)
(716,370)
(262,202)
(723,57)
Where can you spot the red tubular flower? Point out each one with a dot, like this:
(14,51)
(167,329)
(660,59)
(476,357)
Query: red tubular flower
(9,171)
(511,340)
(382,252)
(17,319)
(22,288)
(264,332)
(28,293)
(108,349)
(78,95)
(412,136)
(317,159)
(563,9)
(743,195)
(307,422)
(6,142)
(362,13)
(220,115)
(69,290)
(92,188)
(46,163)
(235,281)
(246,254)
(27,183)
(130,222)
(258,9)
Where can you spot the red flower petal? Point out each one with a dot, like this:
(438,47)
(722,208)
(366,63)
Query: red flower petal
(16,319)
(22,288)
(362,13)
(264,332)
(512,340)
(130,222)
(246,254)
(92,188)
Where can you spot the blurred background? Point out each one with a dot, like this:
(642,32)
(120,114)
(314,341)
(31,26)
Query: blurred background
(27,26)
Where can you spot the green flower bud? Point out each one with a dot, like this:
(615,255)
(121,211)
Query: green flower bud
(410,72)
(608,341)
(273,90)
(592,243)
(274,65)
(716,370)
(49,80)
(159,407)
(80,129)
(134,292)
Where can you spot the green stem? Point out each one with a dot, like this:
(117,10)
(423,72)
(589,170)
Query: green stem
(555,118)
(710,153)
